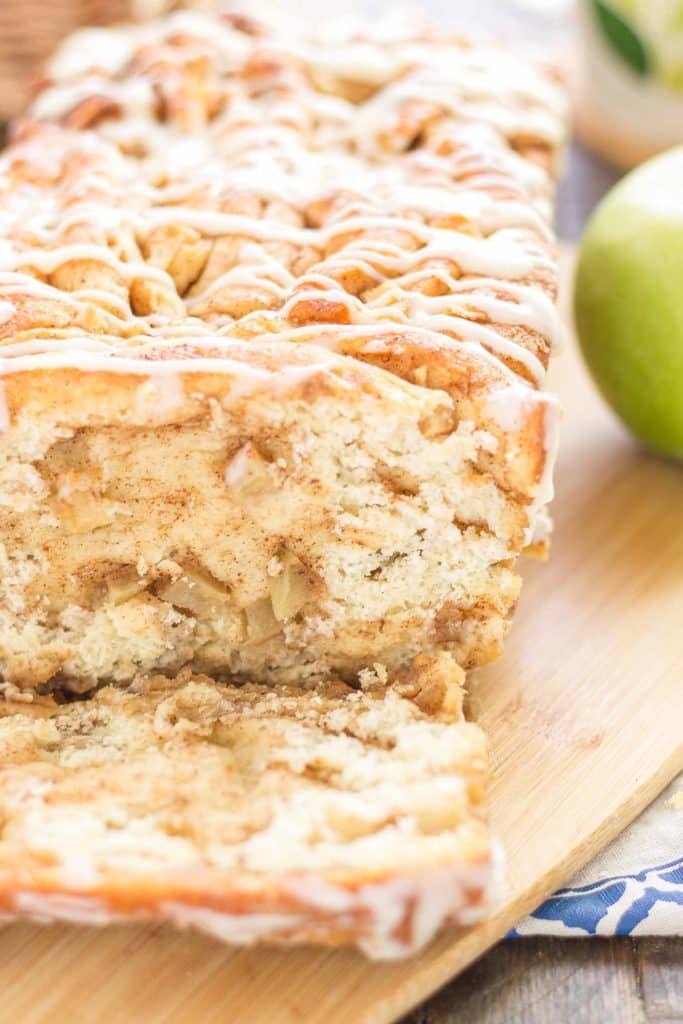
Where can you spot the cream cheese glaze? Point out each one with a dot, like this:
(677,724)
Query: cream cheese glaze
(401,915)
(285,166)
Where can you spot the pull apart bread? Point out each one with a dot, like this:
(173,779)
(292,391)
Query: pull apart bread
(275,316)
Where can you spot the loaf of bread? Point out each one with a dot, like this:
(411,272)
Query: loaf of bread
(276,310)
(290,814)
(275,315)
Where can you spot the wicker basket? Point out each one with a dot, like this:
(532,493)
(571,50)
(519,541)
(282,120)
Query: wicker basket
(31,29)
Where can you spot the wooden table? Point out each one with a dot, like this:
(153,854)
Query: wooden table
(568,981)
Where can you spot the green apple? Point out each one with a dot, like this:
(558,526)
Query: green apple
(629,301)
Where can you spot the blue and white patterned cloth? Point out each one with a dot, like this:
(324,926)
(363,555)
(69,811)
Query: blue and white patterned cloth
(634,888)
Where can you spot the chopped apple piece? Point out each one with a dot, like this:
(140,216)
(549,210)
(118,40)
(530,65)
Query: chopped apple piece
(195,592)
(291,588)
(261,622)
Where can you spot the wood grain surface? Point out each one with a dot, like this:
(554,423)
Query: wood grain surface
(584,711)
(566,981)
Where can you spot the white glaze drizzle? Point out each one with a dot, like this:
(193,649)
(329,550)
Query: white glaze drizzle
(387,919)
(463,209)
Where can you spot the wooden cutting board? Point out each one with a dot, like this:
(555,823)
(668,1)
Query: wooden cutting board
(585,715)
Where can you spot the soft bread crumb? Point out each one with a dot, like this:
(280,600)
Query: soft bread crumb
(295,583)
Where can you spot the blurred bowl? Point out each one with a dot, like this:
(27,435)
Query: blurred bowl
(627,78)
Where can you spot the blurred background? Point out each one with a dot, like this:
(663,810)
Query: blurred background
(30,29)
(623,60)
